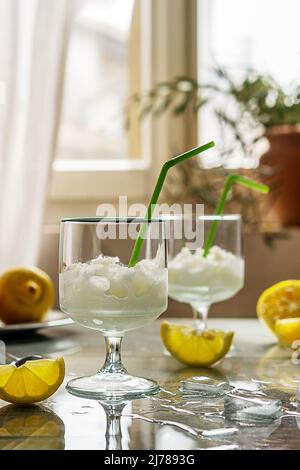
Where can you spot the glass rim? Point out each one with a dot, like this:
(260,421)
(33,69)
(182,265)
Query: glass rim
(138,220)
(211,217)
(118,220)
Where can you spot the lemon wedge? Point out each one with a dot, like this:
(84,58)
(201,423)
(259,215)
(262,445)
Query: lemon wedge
(31,382)
(191,348)
(279,302)
(288,330)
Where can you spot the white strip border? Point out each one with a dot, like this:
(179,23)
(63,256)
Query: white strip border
(2,92)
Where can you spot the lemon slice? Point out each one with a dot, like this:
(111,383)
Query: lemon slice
(31,382)
(279,302)
(288,330)
(194,349)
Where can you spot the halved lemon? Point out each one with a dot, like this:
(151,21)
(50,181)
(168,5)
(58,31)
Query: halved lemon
(31,382)
(279,302)
(288,330)
(191,348)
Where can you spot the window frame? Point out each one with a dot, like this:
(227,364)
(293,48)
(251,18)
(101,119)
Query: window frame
(98,180)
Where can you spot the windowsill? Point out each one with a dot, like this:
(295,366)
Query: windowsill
(99,180)
(100,165)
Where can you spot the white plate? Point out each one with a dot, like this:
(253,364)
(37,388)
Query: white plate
(52,320)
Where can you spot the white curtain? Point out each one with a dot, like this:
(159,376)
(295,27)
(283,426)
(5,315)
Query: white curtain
(33,39)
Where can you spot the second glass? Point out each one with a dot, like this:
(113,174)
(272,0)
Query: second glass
(203,280)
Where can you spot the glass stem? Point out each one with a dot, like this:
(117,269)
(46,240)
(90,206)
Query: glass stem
(113,362)
(200,313)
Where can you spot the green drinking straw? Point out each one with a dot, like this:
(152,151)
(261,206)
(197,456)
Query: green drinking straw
(157,190)
(230,181)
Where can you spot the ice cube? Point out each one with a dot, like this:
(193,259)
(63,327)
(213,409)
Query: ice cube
(246,385)
(140,285)
(118,289)
(204,386)
(99,283)
(241,406)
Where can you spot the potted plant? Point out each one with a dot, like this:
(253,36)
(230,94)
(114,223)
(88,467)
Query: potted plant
(250,110)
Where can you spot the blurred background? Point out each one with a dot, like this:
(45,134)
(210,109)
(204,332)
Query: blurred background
(95,95)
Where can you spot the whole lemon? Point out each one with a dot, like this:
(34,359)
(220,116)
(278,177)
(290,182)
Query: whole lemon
(26,295)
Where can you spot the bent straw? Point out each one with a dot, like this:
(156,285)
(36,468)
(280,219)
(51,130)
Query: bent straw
(160,181)
(230,181)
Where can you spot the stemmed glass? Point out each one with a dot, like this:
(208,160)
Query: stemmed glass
(203,280)
(99,291)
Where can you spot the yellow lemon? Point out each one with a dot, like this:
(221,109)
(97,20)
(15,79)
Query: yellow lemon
(31,382)
(26,295)
(191,348)
(288,330)
(279,302)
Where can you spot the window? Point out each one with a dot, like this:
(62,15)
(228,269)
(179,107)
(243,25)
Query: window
(97,82)
(111,55)
(255,33)
(105,65)
(240,35)
(122,46)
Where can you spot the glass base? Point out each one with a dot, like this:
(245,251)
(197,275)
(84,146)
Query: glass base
(114,385)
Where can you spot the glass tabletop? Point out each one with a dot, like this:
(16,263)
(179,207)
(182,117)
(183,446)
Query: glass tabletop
(169,419)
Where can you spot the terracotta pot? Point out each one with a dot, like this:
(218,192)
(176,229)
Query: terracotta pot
(284,158)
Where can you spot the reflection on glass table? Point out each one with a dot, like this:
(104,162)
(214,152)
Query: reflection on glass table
(170,419)
(30,428)
(113,433)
